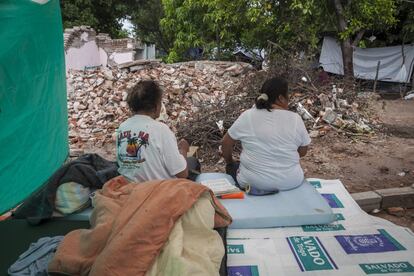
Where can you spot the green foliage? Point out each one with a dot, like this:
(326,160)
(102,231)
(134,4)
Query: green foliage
(359,15)
(102,15)
(226,24)
(194,24)
(369,15)
(403,31)
(220,26)
(146,20)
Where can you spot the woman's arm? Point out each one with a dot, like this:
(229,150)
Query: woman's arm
(302,151)
(183,148)
(227,147)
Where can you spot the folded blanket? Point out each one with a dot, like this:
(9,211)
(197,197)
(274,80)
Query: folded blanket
(129,226)
(193,247)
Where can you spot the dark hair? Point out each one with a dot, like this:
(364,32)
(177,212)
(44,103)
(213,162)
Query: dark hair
(273,88)
(144,96)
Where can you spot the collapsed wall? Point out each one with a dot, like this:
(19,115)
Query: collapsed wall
(84,48)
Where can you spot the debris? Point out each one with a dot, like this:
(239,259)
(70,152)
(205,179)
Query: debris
(329,116)
(409,96)
(375,211)
(97,98)
(396,211)
(325,102)
(201,101)
(220,126)
(75,152)
(343,103)
(303,112)
(314,134)
(192,151)
(384,170)
(401,174)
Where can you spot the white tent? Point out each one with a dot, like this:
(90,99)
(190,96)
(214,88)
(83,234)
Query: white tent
(395,66)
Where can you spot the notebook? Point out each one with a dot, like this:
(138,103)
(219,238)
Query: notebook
(220,186)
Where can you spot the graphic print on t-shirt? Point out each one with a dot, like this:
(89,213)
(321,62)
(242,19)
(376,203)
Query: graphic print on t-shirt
(130,147)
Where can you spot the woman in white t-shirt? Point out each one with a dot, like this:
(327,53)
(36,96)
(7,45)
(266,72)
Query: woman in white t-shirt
(273,140)
(147,149)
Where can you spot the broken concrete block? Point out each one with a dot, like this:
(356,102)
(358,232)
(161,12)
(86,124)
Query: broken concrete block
(403,197)
(329,116)
(368,201)
(396,211)
(314,133)
(75,152)
(136,68)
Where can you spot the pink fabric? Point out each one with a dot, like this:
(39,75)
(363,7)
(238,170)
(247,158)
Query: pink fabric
(129,226)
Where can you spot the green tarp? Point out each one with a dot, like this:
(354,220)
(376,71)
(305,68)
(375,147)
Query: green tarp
(33,111)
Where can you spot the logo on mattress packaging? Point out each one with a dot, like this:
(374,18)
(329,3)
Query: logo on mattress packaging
(333,201)
(235,249)
(339,216)
(310,254)
(323,227)
(315,183)
(384,268)
(245,270)
(374,243)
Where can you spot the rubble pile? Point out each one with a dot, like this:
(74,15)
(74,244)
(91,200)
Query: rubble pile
(97,98)
(324,109)
(334,109)
(202,99)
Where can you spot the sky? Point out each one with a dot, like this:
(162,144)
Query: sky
(127,25)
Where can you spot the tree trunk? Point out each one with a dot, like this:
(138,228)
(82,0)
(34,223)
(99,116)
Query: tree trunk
(347,57)
(346,44)
(218,40)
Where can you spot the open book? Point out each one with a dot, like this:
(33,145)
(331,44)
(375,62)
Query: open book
(220,186)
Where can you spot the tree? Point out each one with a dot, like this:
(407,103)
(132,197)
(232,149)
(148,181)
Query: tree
(201,23)
(403,31)
(146,20)
(352,20)
(102,15)
(220,26)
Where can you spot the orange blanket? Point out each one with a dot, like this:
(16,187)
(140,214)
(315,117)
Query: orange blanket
(129,226)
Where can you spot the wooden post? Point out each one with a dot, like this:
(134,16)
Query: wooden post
(412,81)
(376,76)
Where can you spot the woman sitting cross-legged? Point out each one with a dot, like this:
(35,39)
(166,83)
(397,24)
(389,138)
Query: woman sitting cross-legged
(273,140)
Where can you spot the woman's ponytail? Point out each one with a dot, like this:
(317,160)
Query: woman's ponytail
(270,92)
(262,102)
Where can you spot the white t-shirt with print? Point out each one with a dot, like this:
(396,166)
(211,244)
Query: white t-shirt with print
(147,150)
(270,141)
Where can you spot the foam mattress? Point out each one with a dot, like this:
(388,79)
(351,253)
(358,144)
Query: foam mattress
(301,206)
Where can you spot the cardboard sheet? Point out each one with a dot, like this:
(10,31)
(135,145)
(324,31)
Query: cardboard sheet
(355,244)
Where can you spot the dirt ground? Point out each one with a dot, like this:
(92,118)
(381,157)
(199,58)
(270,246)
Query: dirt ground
(406,220)
(364,163)
(384,160)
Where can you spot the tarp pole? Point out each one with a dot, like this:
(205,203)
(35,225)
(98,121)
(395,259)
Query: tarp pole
(376,76)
